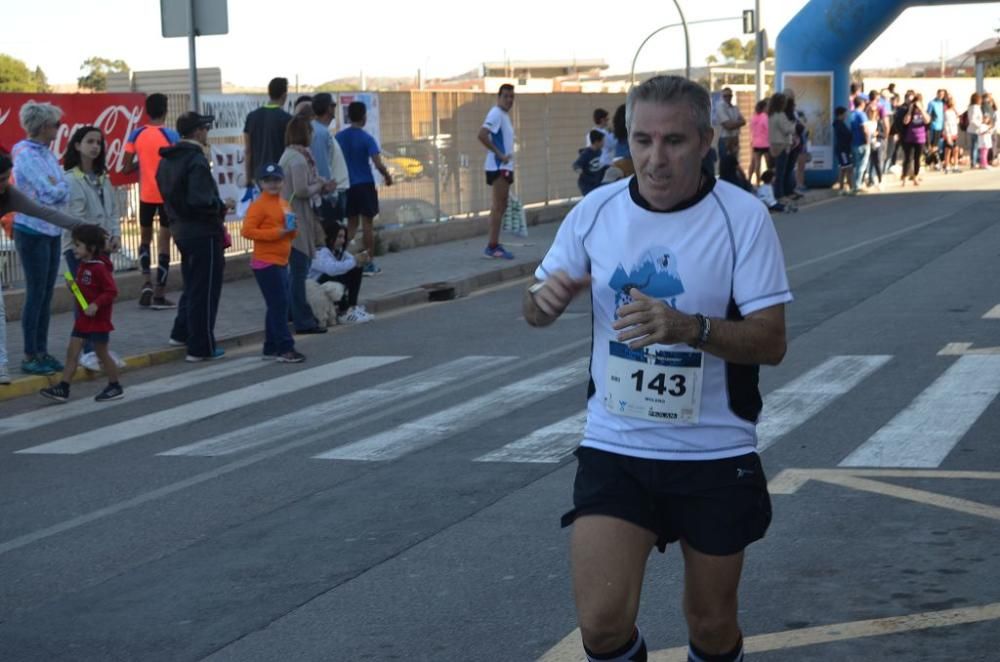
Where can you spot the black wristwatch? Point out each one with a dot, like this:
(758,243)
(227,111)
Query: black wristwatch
(704,329)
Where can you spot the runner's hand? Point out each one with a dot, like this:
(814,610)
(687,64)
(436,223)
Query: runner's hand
(648,321)
(557,292)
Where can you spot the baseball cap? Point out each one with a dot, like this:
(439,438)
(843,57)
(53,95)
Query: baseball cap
(188,122)
(271,171)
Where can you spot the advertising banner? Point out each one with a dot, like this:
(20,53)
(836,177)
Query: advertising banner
(814,102)
(117,115)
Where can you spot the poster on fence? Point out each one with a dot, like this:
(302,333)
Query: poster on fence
(117,115)
(231,110)
(814,99)
(229,171)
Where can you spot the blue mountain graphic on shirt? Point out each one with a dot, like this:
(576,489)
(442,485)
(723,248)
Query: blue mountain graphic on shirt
(655,275)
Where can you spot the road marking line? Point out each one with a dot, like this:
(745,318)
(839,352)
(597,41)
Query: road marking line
(910,494)
(793,404)
(993,313)
(963,348)
(545,445)
(571,650)
(925,432)
(425,432)
(51,414)
(323,414)
(213,406)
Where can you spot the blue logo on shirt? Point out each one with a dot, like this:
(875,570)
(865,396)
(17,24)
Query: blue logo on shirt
(656,276)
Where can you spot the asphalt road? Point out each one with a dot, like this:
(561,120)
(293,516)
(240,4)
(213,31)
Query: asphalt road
(376,502)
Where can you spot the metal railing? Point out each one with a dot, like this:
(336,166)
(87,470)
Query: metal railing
(429,142)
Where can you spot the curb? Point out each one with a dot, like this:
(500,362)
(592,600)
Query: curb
(441,291)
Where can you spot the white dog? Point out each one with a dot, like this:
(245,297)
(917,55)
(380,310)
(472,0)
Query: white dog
(323,300)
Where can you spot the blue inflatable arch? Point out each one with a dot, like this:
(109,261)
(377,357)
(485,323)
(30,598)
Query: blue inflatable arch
(813,56)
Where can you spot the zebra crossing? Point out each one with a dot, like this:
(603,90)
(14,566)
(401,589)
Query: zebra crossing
(921,435)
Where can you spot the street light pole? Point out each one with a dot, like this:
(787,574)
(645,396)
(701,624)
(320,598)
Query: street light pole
(674,25)
(192,57)
(687,42)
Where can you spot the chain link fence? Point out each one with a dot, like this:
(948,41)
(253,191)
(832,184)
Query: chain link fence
(430,145)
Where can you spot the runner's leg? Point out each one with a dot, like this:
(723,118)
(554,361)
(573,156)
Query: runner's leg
(710,599)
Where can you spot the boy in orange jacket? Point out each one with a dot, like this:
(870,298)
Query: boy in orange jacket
(270,223)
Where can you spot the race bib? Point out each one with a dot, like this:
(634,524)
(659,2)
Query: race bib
(656,385)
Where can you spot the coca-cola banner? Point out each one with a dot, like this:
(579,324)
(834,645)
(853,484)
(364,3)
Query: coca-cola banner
(117,115)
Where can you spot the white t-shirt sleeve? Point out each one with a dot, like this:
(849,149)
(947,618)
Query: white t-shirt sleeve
(567,252)
(759,280)
(494,119)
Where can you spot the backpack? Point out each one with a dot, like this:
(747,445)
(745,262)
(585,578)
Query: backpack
(963,121)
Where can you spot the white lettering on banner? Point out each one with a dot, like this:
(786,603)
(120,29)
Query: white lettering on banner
(230,111)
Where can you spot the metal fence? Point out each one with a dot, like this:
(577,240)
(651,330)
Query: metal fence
(429,142)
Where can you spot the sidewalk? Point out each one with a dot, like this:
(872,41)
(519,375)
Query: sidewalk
(433,272)
(442,271)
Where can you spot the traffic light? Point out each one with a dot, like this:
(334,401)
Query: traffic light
(749,24)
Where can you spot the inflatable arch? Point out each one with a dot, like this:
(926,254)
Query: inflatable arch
(814,53)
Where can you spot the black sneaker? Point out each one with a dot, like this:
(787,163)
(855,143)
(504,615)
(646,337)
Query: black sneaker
(146,297)
(59,392)
(291,357)
(111,392)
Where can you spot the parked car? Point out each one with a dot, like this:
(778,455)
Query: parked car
(402,167)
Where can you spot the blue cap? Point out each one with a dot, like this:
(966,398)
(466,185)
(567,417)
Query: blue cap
(271,171)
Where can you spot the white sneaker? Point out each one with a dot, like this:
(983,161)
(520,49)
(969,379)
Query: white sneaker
(4,375)
(354,316)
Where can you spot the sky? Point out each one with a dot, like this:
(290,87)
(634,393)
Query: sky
(317,40)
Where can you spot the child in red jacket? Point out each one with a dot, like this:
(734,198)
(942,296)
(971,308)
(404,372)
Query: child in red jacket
(97,287)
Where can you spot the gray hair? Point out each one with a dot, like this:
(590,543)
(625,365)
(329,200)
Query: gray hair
(672,89)
(34,116)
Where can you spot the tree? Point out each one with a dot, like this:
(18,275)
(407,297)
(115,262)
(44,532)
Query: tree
(96,70)
(711,59)
(16,77)
(734,49)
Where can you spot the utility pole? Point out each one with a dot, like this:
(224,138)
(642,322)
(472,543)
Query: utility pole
(761,50)
(193,58)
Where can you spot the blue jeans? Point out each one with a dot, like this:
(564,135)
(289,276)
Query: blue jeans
(298,270)
(780,171)
(40,260)
(973,149)
(273,283)
(861,153)
(72,264)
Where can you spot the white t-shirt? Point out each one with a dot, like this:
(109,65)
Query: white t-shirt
(727,112)
(501,130)
(696,259)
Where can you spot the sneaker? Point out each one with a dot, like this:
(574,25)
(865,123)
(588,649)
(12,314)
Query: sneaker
(4,375)
(90,361)
(268,357)
(175,343)
(59,392)
(51,362)
(802,189)
(498,252)
(110,392)
(290,357)
(354,316)
(371,269)
(217,354)
(146,297)
(163,303)
(35,366)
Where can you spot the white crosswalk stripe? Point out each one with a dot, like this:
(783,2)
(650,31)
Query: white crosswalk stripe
(157,387)
(429,430)
(805,396)
(545,445)
(202,409)
(328,413)
(925,432)
(993,313)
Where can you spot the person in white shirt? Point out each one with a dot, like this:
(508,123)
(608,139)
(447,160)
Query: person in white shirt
(497,136)
(687,283)
(334,263)
(729,119)
(330,163)
(602,123)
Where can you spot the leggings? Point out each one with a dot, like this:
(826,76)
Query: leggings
(352,286)
(911,159)
(875,166)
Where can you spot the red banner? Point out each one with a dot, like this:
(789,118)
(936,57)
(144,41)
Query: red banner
(117,115)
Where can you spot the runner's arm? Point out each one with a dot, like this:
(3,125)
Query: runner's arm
(545,301)
(484,138)
(130,164)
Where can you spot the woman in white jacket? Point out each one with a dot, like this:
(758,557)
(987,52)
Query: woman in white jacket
(333,262)
(92,198)
(979,127)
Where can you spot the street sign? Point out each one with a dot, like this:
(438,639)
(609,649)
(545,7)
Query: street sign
(210,17)
(749,25)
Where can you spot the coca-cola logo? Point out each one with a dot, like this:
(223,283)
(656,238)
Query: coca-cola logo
(115,122)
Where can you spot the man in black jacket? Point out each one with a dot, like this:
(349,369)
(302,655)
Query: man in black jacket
(197,216)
